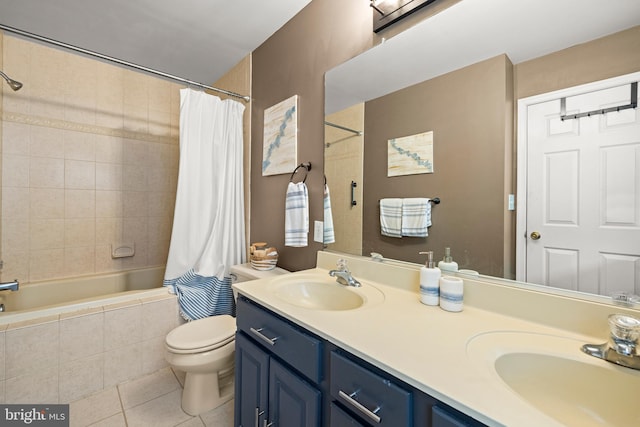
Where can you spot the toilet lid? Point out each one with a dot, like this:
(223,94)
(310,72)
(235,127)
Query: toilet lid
(201,333)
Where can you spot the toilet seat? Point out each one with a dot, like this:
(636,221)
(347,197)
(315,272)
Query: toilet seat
(202,335)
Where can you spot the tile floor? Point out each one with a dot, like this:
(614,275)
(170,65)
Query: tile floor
(152,400)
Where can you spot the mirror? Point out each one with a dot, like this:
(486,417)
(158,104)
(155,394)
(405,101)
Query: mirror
(458,74)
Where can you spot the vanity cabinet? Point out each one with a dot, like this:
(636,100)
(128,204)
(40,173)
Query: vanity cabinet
(275,362)
(287,376)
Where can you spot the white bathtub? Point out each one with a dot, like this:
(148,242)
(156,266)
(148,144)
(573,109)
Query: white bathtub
(41,299)
(64,340)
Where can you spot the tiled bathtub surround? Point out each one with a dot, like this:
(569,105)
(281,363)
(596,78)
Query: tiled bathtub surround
(89,159)
(63,358)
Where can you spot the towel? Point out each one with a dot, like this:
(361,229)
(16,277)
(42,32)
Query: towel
(296,215)
(328,234)
(200,296)
(391,217)
(416,217)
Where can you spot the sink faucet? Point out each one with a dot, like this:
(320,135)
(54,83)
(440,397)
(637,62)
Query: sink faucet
(9,286)
(622,347)
(343,275)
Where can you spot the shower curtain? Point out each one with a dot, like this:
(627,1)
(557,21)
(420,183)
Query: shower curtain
(208,224)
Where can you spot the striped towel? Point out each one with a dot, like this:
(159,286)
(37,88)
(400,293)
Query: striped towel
(328,235)
(296,215)
(391,217)
(200,296)
(416,217)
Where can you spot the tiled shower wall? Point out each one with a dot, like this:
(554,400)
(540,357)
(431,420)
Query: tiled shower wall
(89,160)
(62,358)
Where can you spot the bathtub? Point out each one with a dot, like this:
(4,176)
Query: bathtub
(54,297)
(64,340)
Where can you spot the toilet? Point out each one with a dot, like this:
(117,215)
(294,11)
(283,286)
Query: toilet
(204,350)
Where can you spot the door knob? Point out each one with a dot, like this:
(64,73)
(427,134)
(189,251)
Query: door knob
(535,235)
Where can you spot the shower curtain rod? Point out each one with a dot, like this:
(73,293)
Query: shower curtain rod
(357,132)
(121,62)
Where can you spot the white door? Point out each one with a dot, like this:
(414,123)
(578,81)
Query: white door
(583,194)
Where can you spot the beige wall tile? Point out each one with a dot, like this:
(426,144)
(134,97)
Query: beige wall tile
(39,386)
(15,170)
(2,355)
(15,234)
(79,232)
(47,142)
(15,203)
(134,178)
(81,337)
(153,355)
(122,364)
(122,327)
(46,203)
(79,146)
(108,176)
(135,204)
(108,149)
(80,174)
(108,230)
(159,318)
(15,138)
(79,261)
(81,378)
(46,172)
(46,264)
(80,203)
(46,234)
(31,349)
(109,204)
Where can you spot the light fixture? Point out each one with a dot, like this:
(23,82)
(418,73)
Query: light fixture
(15,85)
(387,12)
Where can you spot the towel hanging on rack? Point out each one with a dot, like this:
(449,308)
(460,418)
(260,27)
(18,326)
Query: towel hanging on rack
(296,215)
(416,217)
(328,233)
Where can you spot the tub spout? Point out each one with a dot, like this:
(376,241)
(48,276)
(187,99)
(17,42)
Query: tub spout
(9,286)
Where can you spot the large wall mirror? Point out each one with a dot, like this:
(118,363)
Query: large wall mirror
(459,74)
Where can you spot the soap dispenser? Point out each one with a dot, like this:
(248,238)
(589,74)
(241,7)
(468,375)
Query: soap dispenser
(447,263)
(429,281)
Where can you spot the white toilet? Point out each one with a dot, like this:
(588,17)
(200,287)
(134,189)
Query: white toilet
(204,349)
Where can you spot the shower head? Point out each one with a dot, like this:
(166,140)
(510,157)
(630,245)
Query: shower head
(15,85)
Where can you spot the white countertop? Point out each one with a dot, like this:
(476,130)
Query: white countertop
(424,346)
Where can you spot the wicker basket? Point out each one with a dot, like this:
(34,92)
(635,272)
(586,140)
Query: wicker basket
(263,257)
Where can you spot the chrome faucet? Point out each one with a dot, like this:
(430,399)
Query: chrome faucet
(343,275)
(10,286)
(622,347)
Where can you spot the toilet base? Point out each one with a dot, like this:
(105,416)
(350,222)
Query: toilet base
(206,391)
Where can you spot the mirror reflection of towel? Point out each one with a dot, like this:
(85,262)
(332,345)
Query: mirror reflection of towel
(328,233)
(391,217)
(296,215)
(416,217)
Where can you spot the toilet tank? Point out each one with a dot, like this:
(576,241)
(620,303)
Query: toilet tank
(244,273)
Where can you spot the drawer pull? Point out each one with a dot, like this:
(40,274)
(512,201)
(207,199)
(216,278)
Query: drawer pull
(258,413)
(259,334)
(350,398)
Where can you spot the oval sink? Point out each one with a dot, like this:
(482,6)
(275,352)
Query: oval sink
(312,291)
(553,375)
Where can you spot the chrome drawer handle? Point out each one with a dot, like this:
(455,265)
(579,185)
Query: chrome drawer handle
(259,334)
(258,413)
(359,406)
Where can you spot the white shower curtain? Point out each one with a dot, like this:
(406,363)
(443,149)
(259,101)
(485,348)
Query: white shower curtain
(208,224)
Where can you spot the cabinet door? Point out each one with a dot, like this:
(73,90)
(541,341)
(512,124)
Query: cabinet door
(442,418)
(252,380)
(292,401)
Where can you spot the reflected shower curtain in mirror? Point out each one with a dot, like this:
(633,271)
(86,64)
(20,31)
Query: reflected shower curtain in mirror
(208,224)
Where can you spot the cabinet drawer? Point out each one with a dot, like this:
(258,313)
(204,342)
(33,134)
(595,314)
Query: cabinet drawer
(340,418)
(375,399)
(301,350)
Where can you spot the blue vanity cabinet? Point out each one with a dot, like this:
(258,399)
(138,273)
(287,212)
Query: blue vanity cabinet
(272,390)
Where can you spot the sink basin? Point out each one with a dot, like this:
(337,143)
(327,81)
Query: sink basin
(315,292)
(554,376)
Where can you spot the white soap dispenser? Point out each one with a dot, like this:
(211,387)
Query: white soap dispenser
(429,281)
(447,263)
